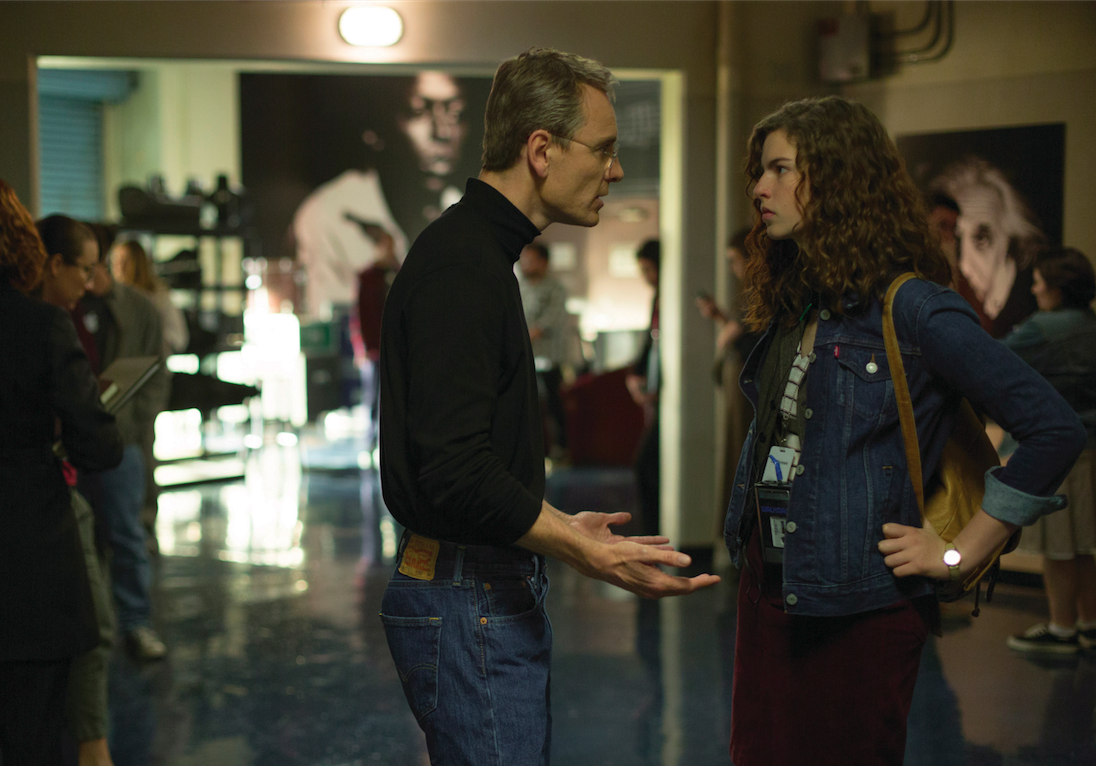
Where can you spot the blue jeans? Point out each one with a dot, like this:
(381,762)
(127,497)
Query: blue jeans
(473,648)
(121,493)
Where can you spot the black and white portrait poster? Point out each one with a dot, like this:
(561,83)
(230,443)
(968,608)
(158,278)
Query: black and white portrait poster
(996,198)
(346,170)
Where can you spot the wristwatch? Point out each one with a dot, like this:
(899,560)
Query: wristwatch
(952,557)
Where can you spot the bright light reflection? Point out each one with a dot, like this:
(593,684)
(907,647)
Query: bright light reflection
(178,434)
(286,439)
(345,423)
(263,524)
(184,363)
(253,441)
(388,537)
(371,26)
(194,532)
(177,513)
(233,413)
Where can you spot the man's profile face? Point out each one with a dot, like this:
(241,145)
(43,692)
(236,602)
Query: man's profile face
(942,221)
(101,281)
(433,123)
(579,175)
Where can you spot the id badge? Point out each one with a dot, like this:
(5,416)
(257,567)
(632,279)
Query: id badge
(780,465)
(772,518)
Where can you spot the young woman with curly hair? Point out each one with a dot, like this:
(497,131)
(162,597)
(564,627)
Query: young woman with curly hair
(836,596)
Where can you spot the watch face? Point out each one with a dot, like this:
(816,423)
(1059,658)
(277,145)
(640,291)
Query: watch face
(952,557)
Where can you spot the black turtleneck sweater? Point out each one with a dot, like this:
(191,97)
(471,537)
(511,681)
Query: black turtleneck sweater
(462,455)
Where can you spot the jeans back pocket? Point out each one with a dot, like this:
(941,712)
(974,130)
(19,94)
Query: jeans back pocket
(415,644)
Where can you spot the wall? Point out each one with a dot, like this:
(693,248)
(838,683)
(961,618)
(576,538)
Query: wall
(1013,63)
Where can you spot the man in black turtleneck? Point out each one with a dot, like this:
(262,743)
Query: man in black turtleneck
(462,463)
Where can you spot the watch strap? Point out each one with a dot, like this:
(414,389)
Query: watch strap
(953,569)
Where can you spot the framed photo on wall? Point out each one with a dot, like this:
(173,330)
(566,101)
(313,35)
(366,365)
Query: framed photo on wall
(996,197)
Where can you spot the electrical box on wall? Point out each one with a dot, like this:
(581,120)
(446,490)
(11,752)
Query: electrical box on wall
(844,49)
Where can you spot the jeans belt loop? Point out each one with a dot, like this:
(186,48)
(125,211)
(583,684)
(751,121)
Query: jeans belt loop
(458,566)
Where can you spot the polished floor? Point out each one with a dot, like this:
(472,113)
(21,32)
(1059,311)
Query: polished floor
(267,592)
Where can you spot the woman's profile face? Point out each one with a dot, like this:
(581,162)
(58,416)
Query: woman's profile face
(122,266)
(1046,297)
(777,192)
(66,283)
(983,244)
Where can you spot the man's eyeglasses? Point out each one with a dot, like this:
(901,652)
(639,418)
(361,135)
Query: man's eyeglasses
(612,152)
(87,271)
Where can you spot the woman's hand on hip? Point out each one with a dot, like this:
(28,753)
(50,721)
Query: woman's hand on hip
(913,551)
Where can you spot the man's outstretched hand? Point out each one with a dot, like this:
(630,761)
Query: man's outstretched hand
(596,527)
(586,542)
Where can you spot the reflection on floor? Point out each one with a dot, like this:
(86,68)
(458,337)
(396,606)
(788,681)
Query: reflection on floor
(268,590)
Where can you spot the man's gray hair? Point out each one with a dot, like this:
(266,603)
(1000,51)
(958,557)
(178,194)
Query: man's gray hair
(1017,221)
(539,89)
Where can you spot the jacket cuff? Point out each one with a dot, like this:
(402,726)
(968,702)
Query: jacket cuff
(1013,506)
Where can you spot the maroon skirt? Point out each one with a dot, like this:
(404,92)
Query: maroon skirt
(821,690)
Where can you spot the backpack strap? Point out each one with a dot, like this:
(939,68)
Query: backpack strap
(902,391)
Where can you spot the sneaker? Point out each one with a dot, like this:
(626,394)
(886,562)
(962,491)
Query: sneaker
(1087,639)
(144,644)
(1039,640)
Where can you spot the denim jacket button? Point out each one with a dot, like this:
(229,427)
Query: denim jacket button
(790,526)
(799,470)
(812,357)
(791,599)
(808,413)
(824,314)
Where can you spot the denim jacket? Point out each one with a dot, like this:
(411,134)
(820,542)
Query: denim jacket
(854,476)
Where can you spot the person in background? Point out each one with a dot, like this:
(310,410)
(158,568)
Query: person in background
(129,264)
(643,384)
(733,345)
(70,266)
(46,389)
(462,453)
(836,596)
(374,282)
(123,324)
(1059,341)
(544,299)
(943,220)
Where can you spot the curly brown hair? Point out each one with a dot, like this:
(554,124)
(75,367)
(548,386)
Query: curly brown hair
(22,255)
(864,220)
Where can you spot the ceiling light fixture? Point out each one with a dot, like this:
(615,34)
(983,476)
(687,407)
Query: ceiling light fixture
(371,26)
